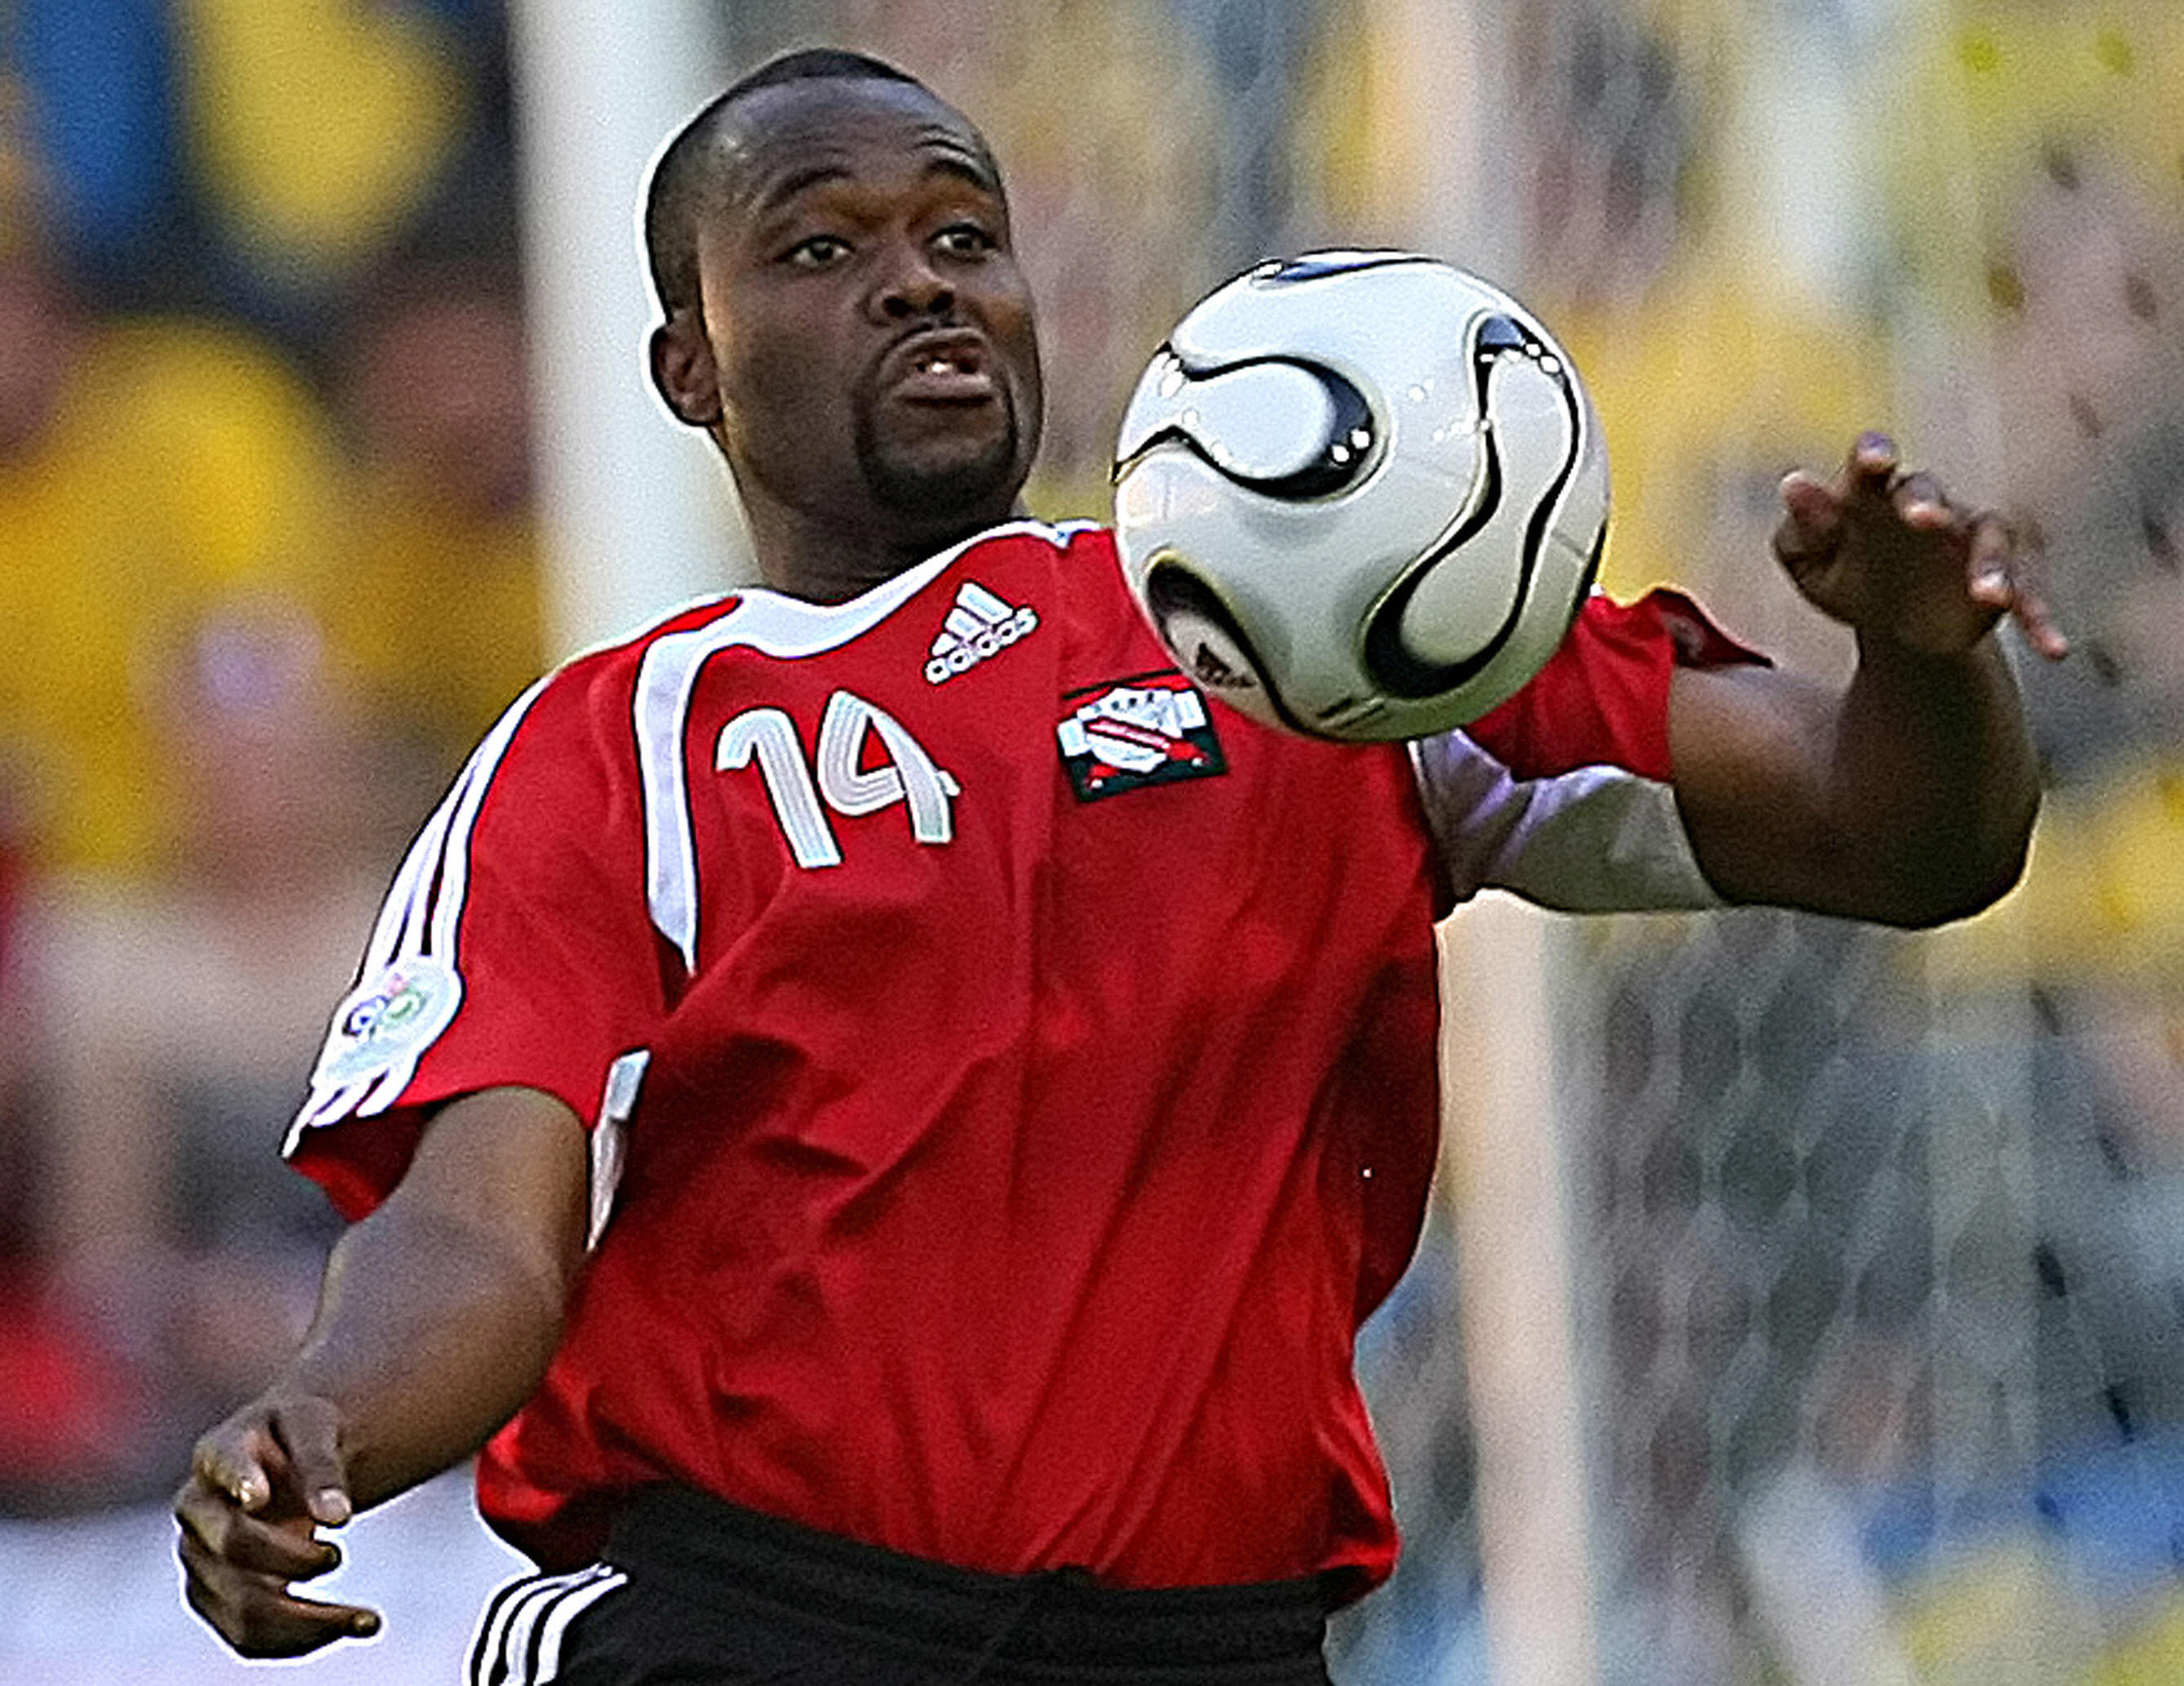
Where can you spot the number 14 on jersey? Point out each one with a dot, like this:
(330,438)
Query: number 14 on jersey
(797,785)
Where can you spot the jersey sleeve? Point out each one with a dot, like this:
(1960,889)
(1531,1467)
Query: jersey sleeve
(514,948)
(1563,795)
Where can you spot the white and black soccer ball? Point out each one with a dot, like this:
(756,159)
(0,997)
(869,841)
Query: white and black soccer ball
(1360,495)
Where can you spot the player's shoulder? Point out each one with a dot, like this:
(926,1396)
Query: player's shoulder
(613,674)
(1085,540)
(1075,557)
(581,710)
(775,625)
(1071,541)
(606,672)
(1024,540)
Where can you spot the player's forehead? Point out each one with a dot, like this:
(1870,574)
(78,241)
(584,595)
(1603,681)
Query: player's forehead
(782,143)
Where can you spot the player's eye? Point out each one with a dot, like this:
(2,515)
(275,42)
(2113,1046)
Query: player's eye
(818,252)
(964,240)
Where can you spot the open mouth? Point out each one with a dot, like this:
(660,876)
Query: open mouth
(941,366)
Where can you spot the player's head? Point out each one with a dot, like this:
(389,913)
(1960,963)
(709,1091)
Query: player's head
(686,178)
(830,243)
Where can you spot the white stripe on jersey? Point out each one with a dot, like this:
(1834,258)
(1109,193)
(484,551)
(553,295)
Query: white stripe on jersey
(1594,840)
(787,628)
(401,917)
(421,915)
(625,1077)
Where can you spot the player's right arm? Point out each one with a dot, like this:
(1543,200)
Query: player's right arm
(512,979)
(435,1321)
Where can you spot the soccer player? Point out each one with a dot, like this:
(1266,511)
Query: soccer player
(881,1112)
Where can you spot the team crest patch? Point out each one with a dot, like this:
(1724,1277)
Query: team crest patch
(1151,729)
(389,1020)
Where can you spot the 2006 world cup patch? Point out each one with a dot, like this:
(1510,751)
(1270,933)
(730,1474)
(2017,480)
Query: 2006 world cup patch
(390,1018)
(1151,728)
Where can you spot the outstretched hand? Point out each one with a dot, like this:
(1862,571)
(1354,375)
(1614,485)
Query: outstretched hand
(261,1485)
(1886,552)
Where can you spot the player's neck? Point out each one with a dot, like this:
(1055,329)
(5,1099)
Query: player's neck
(823,562)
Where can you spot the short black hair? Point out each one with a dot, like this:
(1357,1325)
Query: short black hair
(681,177)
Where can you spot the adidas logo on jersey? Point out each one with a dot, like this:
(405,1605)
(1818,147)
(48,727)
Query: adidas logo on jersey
(978,626)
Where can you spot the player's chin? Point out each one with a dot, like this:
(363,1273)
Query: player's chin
(966,470)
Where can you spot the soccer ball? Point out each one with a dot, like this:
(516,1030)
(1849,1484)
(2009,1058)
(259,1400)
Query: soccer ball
(1360,495)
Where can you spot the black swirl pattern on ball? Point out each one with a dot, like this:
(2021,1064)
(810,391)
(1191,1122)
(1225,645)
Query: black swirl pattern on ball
(1342,459)
(1388,659)
(1287,272)
(1170,588)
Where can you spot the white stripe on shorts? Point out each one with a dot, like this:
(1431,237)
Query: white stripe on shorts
(520,1634)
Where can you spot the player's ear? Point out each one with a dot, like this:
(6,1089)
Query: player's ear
(683,370)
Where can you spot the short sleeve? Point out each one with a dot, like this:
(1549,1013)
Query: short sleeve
(513,947)
(1602,698)
(1563,794)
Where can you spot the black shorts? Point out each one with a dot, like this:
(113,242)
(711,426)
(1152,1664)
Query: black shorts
(700,1593)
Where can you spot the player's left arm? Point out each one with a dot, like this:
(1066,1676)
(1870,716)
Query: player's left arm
(1909,795)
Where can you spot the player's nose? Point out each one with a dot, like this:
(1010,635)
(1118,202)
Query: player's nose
(911,287)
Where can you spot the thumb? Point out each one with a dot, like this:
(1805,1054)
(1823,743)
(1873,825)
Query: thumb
(1811,522)
(233,1459)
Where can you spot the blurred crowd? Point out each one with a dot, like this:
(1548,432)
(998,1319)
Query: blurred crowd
(267,570)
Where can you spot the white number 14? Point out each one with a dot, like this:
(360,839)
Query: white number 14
(849,789)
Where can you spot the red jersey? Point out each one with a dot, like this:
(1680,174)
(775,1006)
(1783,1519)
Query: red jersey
(1015,1079)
